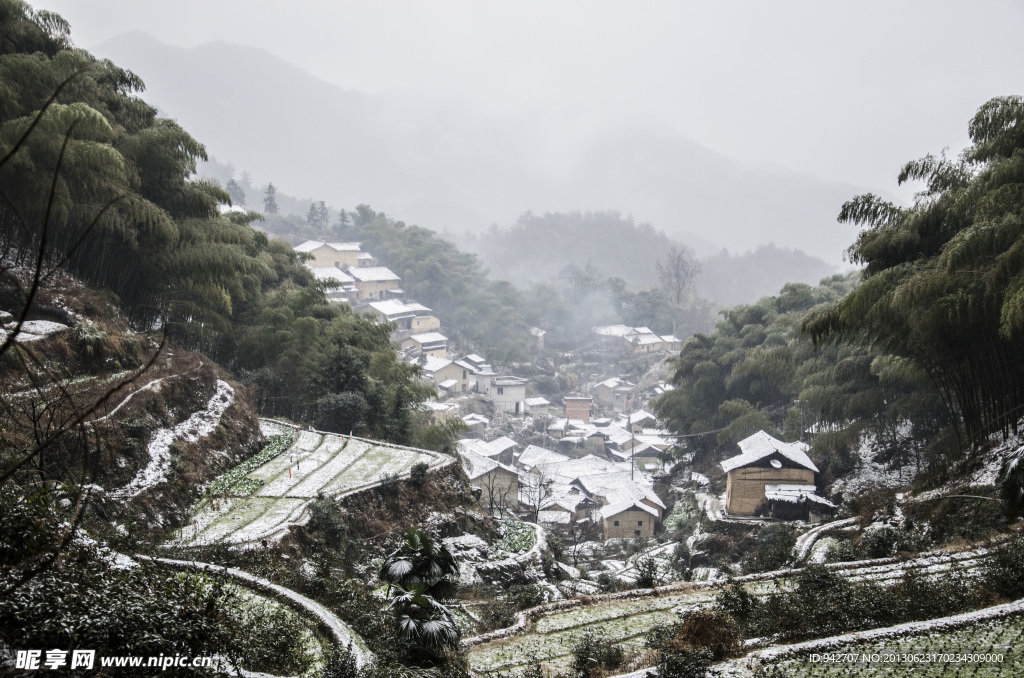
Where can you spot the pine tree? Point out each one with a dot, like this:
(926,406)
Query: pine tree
(270,200)
(236,192)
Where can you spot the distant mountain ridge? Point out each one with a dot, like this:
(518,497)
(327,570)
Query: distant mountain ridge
(451,168)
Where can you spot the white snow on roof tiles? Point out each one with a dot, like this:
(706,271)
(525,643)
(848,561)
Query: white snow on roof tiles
(391,307)
(795,494)
(503,443)
(626,505)
(537,402)
(761,445)
(329,273)
(613,330)
(434,363)
(373,274)
(534,455)
(311,245)
(428,337)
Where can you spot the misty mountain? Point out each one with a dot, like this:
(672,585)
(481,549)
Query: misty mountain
(537,248)
(446,166)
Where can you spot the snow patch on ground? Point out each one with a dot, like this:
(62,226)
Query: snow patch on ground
(199,425)
(33,330)
(871,475)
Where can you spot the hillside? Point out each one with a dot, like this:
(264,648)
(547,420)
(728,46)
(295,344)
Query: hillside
(451,168)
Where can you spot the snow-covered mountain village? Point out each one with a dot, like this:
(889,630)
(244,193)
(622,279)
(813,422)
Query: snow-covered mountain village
(251,434)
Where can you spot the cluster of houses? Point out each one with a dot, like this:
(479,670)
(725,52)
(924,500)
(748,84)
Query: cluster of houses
(638,339)
(562,492)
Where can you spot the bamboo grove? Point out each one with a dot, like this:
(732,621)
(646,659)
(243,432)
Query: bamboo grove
(106,190)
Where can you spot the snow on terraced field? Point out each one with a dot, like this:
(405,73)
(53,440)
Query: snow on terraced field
(550,638)
(315,463)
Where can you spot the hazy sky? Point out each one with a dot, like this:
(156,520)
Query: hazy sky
(844,91)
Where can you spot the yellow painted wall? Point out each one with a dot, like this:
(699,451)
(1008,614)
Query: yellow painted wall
(327,256)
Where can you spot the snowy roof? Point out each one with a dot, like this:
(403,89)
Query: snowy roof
(477,465)
(671,338)
(473,418)
(644,339)
(537,332)
(587,398)
(365,255)
(428,337)
(503,443)
(474,358)
(329,273)
(392,307)
(434,363)
(558,424)
(613,330)
(537,402)
(761,445)
(534,455)
(468,366)
(554,517)
(626,505)
(373,274)
(508,381)
(448,383)
(439,407)
(795,494)
(311,245)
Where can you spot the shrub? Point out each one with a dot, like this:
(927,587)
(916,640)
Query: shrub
(771,550)
(646,573)
(418,474)
(594,656)
(684,663)
(1004,573)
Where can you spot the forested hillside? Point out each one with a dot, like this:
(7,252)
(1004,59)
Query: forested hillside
(923,351)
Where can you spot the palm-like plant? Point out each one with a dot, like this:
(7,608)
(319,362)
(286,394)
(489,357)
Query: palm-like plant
(420,575)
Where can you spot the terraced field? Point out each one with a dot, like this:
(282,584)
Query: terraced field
(986,648)
(315,463)
(553,631)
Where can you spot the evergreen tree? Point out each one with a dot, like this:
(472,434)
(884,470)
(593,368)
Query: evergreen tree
(270,200)
(236,192)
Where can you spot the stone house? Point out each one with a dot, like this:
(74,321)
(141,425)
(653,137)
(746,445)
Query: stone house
(764,461)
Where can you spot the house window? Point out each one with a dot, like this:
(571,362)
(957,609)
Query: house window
(463,374)
(616,523)
(636,533)
(640,523)
(501,390)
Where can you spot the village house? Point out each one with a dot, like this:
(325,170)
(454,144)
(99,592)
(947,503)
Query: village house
(628,519)
(330,254)
(536,405)
(508,394)
(338,285)
(440,412)
(408,318)
(442,370)
(578,407)
(497,484)
(477,424)
(373,282)
(626,505)
(765,473)
(614,394)
(429,344)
